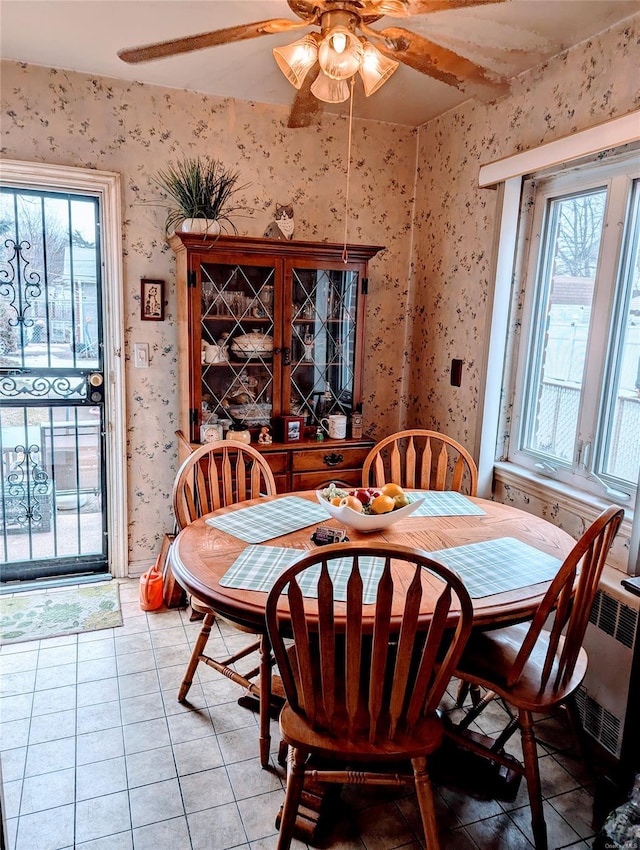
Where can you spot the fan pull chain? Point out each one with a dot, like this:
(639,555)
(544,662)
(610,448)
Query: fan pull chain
(345,253)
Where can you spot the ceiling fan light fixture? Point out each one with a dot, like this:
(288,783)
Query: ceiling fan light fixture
(340,53)
(375,69)
(329,90)
(295,60)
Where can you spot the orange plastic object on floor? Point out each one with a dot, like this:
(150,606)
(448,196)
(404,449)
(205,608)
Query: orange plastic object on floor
(151,590)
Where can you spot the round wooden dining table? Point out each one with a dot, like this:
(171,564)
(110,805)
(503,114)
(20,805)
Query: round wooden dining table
(201,555)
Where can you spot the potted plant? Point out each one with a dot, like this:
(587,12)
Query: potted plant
(201,193)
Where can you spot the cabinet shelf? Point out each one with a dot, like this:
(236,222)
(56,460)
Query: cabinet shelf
(234,320)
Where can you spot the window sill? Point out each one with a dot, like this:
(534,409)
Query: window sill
(546,490)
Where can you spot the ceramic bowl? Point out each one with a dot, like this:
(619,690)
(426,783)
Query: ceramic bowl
(367,522)
(255,344)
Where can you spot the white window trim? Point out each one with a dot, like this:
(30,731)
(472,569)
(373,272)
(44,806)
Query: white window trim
(610,134)
(507,175)
(104,185)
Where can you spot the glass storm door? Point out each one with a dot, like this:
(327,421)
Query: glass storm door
(52,475)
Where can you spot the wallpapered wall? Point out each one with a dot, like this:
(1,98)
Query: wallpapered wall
(73,119)
(455,221)
(428,290)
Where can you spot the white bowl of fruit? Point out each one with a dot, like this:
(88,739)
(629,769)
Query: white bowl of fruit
(368,508)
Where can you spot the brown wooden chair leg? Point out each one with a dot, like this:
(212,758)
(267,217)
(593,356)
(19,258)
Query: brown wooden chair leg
(424,793)
(463,691)
(293,795)
(198,649)
(532,775)
(265,700)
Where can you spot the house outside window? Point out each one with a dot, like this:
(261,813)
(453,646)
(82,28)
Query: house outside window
(575,383)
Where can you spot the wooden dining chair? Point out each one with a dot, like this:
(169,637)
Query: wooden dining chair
(421,459)
(213,476)
(536,666)
(364,696)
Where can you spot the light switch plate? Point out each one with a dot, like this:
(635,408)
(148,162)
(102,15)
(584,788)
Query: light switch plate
(141,355)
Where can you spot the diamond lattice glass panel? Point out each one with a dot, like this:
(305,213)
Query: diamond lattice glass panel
(237,328)
(323,342)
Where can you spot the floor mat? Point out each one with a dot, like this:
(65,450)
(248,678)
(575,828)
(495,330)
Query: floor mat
(33,616)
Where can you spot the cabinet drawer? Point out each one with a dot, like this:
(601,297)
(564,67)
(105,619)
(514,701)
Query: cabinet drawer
(282,483)
(329,458)
(320,480)
(278,461)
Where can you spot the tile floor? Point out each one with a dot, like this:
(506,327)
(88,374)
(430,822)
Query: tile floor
(97,754)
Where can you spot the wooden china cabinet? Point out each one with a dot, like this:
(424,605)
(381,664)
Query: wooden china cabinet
(272,333)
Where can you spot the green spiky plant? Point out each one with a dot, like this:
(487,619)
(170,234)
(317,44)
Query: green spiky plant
(200,187)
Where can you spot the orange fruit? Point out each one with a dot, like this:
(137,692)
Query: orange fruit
(391,490)
(351,502)
(336,500)
(382,504)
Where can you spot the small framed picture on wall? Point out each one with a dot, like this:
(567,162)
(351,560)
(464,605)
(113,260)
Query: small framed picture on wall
(152,300)
(290,429)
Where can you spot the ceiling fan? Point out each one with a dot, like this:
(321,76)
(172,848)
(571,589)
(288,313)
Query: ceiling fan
(320,63)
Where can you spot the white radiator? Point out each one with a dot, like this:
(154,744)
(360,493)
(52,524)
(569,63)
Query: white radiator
(609,641)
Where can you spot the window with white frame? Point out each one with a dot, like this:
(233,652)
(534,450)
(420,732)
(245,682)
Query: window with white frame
(576,385)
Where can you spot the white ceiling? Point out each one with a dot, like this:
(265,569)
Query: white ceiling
(85,35)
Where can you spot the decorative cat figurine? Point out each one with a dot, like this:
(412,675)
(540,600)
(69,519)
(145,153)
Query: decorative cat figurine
(282,227)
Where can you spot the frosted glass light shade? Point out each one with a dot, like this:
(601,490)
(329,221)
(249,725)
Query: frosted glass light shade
(296,60)
(340,53)
(376,68)
(328,90)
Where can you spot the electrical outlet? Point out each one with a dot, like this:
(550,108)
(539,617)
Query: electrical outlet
(456,372)
(141,355)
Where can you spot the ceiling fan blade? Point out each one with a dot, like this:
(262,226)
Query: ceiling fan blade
(425,7)
(306,109)
(207,39)
(438,62)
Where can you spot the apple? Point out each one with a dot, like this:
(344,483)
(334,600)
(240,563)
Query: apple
(363,495)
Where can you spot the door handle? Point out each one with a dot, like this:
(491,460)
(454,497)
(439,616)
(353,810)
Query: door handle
(95,386)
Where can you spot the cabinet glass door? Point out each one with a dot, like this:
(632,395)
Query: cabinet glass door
(323,342)
(237,343)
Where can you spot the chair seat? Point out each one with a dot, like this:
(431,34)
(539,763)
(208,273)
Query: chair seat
(489,656)
(425,738)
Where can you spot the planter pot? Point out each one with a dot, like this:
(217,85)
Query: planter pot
(201,225)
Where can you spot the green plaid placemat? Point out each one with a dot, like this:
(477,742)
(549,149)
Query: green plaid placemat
(444,503)
(269,519)
(258,567)
(494,566)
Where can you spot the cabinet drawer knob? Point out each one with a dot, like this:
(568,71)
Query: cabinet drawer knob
(333,459)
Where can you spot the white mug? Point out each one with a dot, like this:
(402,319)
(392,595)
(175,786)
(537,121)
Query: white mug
(336,426)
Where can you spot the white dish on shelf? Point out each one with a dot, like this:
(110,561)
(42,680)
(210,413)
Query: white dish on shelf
(254,344)
(251,414)
(367,522)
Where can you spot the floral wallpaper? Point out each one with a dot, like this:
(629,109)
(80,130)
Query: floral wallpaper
(415,192)
(455,220)
(65,118)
